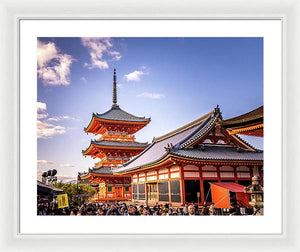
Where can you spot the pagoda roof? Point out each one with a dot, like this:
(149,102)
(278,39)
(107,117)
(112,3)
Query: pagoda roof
(102,170)
(106,144)
(129,144)
(251,118)
(118,114)
(115,116)
(178,142)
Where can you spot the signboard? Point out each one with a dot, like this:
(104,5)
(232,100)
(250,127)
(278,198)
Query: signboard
(62,200)
(102,190)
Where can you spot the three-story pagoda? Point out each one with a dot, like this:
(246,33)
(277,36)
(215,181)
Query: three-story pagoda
(115,146)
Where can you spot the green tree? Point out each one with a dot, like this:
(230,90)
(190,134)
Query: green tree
(84,191)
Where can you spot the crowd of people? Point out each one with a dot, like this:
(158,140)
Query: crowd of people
(126,209)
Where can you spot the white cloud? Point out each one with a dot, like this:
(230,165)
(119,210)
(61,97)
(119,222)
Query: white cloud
(41,110)
(42,115)
(53,67)
(41,106)
(64,117)
(134,76)
(55,119)
(45,53)
(151,95)
(46,130)
(98,47)
(66,165)
(45,162)
(116,55)
(119,85)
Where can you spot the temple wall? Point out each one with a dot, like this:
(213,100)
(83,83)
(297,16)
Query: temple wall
(170,181)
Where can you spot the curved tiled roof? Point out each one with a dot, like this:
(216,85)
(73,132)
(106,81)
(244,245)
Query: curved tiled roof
(102,170)
(176,143)
(158,149)
(203,128)
(118,114)
(129,144)
(220,153)
(253,117)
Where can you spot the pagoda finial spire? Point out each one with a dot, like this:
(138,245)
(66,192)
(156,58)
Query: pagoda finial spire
(115,89)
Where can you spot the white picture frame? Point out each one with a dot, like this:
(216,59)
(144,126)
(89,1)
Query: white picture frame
(10,13)
(31,29)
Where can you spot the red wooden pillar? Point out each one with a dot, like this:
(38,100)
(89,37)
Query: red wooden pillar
(157,193)
(261,175)
(114,192)
(201,186)
(146,189)
(251,171)
(169,189)
(182,184)
(235,175)
(218,173)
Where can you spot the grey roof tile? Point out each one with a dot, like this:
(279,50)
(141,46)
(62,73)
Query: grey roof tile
(219,153)
(118,114)
(203,128)
(130,144)
(102,170)
(176,144)
(156,150)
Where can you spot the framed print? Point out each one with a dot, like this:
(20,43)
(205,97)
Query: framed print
(201,166)
(179,121)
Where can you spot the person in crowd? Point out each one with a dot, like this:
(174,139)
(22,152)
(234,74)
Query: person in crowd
(101,211)
(155,207)
(205,209)
(145,212)
(185,209)
(89,211)
(123,211)
(179,211)
(160,212)
(133,210)
(174,213)
(166,207)
(141,209)
(212,209)
(191,210)
(112,209)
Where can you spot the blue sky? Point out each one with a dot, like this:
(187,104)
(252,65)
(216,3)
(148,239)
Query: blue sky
(171,80)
